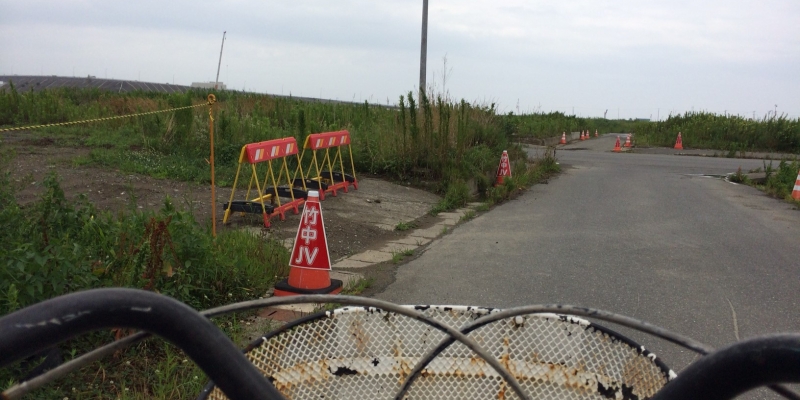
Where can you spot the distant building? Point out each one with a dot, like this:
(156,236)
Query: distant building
(208,85)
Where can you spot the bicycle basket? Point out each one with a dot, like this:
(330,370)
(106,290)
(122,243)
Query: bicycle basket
(367,353)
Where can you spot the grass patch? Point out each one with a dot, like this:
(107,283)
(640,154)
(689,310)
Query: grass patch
(779,182)
(60,245)
(470,214)
(739,177)
(404,226)
(398,256)
(357,287)
(457,195)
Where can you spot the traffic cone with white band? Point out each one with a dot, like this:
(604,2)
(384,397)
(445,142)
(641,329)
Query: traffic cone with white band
(617,149)
(679,142)
(628,141)
(563,138)
(310,261)
(796,191)
(595,133)
(503,170)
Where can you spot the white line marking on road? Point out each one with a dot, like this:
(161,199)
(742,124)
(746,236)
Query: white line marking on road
(735,323)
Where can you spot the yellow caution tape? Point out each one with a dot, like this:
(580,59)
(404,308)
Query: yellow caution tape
(211,101)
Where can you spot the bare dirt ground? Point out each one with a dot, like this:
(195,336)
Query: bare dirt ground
(359,220)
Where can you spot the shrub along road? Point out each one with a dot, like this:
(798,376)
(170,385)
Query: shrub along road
(637,234)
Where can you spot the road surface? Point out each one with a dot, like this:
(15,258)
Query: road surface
(645,235)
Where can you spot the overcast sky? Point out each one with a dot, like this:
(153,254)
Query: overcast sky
(634,58)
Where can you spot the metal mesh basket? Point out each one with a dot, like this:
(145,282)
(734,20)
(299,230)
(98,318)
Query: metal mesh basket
(366,353)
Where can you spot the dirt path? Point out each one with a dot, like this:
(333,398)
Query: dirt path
(359,220)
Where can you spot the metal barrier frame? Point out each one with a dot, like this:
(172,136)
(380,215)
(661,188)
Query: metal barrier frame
(267,151)
(326,141)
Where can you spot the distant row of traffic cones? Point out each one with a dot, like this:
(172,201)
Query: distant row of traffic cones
(585,135)
(618,148)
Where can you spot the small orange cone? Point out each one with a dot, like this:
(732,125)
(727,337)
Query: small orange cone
(628,141)
(310,261)
(595,133)
(796,191)
(563,138)
(582,137)
(679,142)
(503,170)
(617,149)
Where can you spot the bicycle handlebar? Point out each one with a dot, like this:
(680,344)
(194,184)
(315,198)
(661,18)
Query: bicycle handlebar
(720,375)
(733,370)
(45,324)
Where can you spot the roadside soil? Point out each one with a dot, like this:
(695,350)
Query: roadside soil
(360,220)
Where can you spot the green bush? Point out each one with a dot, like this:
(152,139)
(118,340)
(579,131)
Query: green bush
(781,182)
(729,133)
(59,246)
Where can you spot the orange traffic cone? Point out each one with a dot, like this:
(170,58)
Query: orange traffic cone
(679,142)
(310,261)
(628,141)
(796,191)
(595,133)
(582,137)
(563,138)
(503,170)
(616,146)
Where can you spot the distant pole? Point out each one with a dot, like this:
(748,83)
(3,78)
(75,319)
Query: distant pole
(211,100)
(423,53)
(776,111)
(658,115)
(216,82)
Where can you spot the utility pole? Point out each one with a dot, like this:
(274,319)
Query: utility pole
(216,82)
(423,55)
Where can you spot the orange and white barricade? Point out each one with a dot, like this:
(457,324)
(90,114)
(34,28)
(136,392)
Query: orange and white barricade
(272,189)
(323,174)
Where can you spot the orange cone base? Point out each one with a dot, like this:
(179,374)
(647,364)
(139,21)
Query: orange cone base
(283,288)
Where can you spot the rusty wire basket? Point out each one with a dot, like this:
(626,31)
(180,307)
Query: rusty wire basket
(368,353)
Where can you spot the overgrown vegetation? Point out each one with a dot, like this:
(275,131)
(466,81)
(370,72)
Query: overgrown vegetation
(730,133)
(424,140)
(546,125)
(58,245)
(780,182)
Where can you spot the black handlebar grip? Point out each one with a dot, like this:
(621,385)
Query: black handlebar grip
(45,324)
(728,372)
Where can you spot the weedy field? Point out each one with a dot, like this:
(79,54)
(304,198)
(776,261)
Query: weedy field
(731,133)
(56,244)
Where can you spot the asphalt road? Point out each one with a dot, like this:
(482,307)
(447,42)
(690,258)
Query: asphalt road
(639,234)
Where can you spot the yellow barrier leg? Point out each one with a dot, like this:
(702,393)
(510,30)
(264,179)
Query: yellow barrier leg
(261,198)
(353,167)
(341,165)
(233,189)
